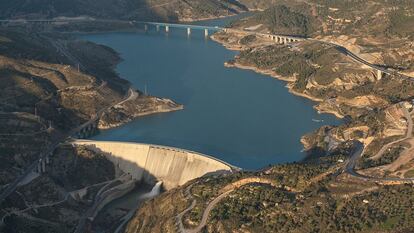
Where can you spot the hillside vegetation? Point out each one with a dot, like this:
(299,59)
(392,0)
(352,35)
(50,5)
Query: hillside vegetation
(304,197)
(173,10)
(380,31)
(316,195)
(51,84)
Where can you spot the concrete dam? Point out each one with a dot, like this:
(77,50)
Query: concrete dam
(149,163)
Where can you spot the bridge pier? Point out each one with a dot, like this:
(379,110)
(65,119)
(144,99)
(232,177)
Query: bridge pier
(146,27)
(39,166)
(167,28)
(284,40)
(188,31)
(206,32)
(47,159)
(158,27)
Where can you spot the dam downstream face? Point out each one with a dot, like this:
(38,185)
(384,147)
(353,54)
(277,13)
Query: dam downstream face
(246,119)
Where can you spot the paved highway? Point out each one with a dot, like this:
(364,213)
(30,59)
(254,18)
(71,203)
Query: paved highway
(408,134)
(359,150)
(356,155)
(358,59)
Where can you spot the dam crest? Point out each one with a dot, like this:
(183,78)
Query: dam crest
(151,163)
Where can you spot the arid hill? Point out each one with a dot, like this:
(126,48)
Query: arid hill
(174,10)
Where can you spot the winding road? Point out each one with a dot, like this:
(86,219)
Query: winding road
(408,135)
(358,59)
(356,155)
(34,207)
(359,150)
(210,206)
(206,212)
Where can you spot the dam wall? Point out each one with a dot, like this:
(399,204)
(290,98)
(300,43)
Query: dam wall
(149,163)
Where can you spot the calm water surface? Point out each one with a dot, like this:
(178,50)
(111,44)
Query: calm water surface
(247,119)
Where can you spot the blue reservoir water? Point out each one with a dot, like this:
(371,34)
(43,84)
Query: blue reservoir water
(246,119)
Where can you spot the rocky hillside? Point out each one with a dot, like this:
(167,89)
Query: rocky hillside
(52,84)
(44,93)
(55,200)
(340,85)
(304,197)
(316,195)
(174,10)
(323,73)
(379,31)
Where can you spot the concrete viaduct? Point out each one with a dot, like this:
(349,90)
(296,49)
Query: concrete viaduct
(281,39)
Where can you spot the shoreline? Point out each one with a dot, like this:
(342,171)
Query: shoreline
(138,115)
(289,80)
(135,29)
(267,72)
(273,74)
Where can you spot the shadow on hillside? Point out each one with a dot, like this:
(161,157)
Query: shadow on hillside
(314,153)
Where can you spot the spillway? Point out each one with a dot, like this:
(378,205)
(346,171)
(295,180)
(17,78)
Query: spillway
(151,163)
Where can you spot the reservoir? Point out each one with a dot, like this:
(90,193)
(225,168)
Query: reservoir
(244,118)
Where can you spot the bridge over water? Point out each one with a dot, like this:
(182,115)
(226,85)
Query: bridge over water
(188,27)
(379,70)
(282,39)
